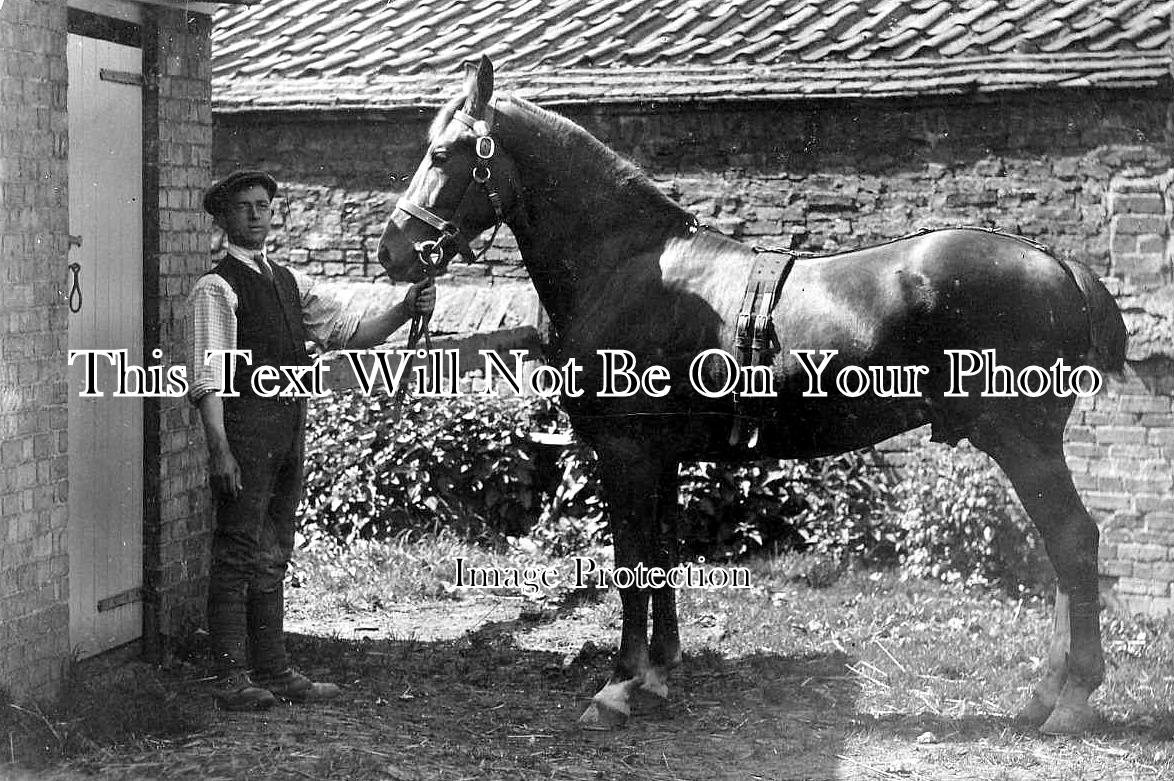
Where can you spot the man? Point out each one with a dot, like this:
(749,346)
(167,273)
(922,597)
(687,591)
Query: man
(255,444)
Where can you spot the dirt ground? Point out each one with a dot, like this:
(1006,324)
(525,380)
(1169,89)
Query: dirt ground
(491,687)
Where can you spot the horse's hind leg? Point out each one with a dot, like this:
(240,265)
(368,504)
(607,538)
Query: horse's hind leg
(1035,465)
(665,647)
(1047,692)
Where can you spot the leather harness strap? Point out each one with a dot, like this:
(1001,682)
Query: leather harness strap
(755,342)
(755,333)
(430,254)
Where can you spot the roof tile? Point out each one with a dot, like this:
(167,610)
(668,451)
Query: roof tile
(388,53)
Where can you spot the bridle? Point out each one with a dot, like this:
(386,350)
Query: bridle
(430,254)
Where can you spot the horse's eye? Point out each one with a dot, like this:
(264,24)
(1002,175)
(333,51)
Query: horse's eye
(439,156)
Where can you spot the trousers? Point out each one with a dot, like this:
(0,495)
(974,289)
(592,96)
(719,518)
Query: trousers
(253,539)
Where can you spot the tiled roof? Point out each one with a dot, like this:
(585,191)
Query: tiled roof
(468,318)
(334,54)
(480,308)
(467,306)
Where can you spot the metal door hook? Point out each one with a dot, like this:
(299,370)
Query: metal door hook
(75,290)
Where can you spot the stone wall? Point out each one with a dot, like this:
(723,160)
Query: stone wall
(34,240)
(1086,173)
(337,177)
(808,176)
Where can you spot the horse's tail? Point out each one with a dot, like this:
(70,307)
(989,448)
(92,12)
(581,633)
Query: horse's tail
(1106,350)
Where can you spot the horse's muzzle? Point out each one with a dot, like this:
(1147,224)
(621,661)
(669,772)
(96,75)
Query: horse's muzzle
(397,255)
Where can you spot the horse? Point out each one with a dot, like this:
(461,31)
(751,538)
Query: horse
(618,265)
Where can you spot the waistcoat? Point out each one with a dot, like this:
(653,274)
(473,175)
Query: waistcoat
(269,320)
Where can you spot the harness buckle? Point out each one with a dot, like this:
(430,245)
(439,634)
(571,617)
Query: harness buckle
(759,338)
(742,337)
(430,254)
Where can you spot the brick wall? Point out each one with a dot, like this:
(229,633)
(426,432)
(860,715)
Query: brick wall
(34,617)
(34,221)
(179,168)
(1087,173)
(1121,445)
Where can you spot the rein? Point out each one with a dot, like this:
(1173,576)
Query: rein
(419,327)
(430,254)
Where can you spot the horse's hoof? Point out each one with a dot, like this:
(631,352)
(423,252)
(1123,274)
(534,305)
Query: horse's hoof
(655,688)
(1070,720)
(1035,714)
(599,716)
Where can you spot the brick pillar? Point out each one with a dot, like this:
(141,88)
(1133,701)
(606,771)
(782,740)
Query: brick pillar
(179,163)
(34,225)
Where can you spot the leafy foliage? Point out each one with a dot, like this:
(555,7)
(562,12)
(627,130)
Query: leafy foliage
(469,464)
(572,516)
(831,504)
(462,462)
(958,522)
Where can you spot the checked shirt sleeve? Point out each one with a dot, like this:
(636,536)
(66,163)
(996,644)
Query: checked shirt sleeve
(211,326)
(330,312)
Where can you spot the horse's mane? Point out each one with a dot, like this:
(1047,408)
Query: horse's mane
(578,149)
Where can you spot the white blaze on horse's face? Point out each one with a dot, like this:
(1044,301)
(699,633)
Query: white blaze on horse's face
(459,189)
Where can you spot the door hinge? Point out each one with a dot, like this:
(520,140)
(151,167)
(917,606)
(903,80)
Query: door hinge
(122,598)
(121,77)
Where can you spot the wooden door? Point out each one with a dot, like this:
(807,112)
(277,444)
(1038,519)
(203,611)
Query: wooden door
(105,433)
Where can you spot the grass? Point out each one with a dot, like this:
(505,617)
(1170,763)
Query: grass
(921,647)
(868,675)
(369,574)
(938,661)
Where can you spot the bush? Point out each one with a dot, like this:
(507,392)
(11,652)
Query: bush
(468,463)
(464,462)
(950,515)
(833,505)
(572,518)
(959,523)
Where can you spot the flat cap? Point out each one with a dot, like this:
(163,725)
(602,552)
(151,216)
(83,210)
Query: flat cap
(234,182)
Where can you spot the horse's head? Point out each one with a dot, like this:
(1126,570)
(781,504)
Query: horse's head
(464,185)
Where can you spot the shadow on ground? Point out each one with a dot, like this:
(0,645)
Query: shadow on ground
(1155,727)
(479,706)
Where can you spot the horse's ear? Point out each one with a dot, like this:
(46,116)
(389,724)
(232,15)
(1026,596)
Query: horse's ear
(478,85)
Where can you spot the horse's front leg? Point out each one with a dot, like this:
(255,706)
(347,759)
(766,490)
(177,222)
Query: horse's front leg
(632,486)
(665,650)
